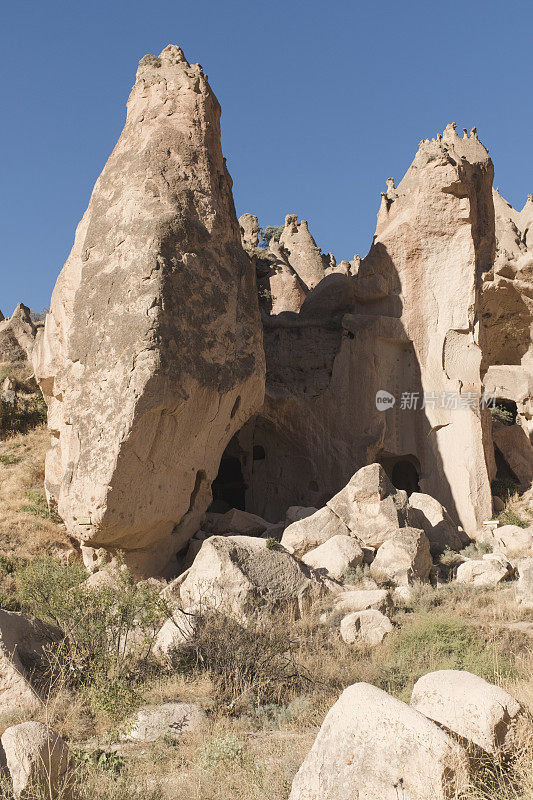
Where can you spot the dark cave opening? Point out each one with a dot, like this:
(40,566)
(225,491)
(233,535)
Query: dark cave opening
(405,476)
(228,488)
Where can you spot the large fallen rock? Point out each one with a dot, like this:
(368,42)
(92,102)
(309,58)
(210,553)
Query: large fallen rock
(374,747)
(311,531)
(25,643)
(524,586)
(514,541)
(236,523)
(430,516)
(152,353)
(469,706)
(17,336)
(404,558)
(38,761)
(490,569)
(335,556)
(366,628)
(172,720)
(361,599)
(370,506)
(241,575)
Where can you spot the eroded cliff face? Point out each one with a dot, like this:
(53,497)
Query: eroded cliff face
(152,352)
(413,329)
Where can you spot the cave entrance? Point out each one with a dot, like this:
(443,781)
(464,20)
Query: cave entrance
(403,471)
(229,487)
(405,476)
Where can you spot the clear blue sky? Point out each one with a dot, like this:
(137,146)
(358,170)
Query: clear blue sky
(321,101)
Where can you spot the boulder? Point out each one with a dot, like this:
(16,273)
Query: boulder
(332,297)
(366,628)
(489,570)
(429,515)
(38,761)
(524,586)
(168,719)
(335,555)
(369,505)
(24,644)
(296,513)
(362,599)
(514,541)
(176,632)
(242,575)
(309,532)
(469,706)
(143,401)
(404,558)
(238,523)
(374,747)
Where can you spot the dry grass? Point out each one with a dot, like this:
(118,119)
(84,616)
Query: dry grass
(24,534)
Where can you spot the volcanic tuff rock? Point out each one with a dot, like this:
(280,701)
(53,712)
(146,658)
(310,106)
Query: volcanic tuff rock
(17,336)
(415,329)
(151,357)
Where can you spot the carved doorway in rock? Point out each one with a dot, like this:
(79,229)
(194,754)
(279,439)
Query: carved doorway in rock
(403,471)
(229,487)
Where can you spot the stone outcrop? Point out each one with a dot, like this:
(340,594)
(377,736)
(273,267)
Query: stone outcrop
(490,569)
(335,556)
(244,575)
(404,558)
(151,357)
(172,720)
(470,707)
(38,761)
(302,253)
(365,628)
(374,747)
(415,331)
(524,586)
(17,336)
(25,642)
(430,516)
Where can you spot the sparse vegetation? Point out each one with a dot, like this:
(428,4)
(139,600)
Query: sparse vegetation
(271,232)
(510,517)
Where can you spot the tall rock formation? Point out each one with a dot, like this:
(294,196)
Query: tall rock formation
(414,330)
(17,336)
(151,357)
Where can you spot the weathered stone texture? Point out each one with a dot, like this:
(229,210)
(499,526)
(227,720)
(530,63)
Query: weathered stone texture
(151,357)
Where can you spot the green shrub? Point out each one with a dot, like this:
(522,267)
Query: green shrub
(226,749)
(7,459)
(476,550)
(109,630)
(510,517)
(270,232)
(431,641)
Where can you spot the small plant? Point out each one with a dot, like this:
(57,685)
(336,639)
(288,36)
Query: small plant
(221,750)
(450,558)
(502,414)
(476,550)
(510,517)
(354,575)
(7,459)
(37,504)
(273,544)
